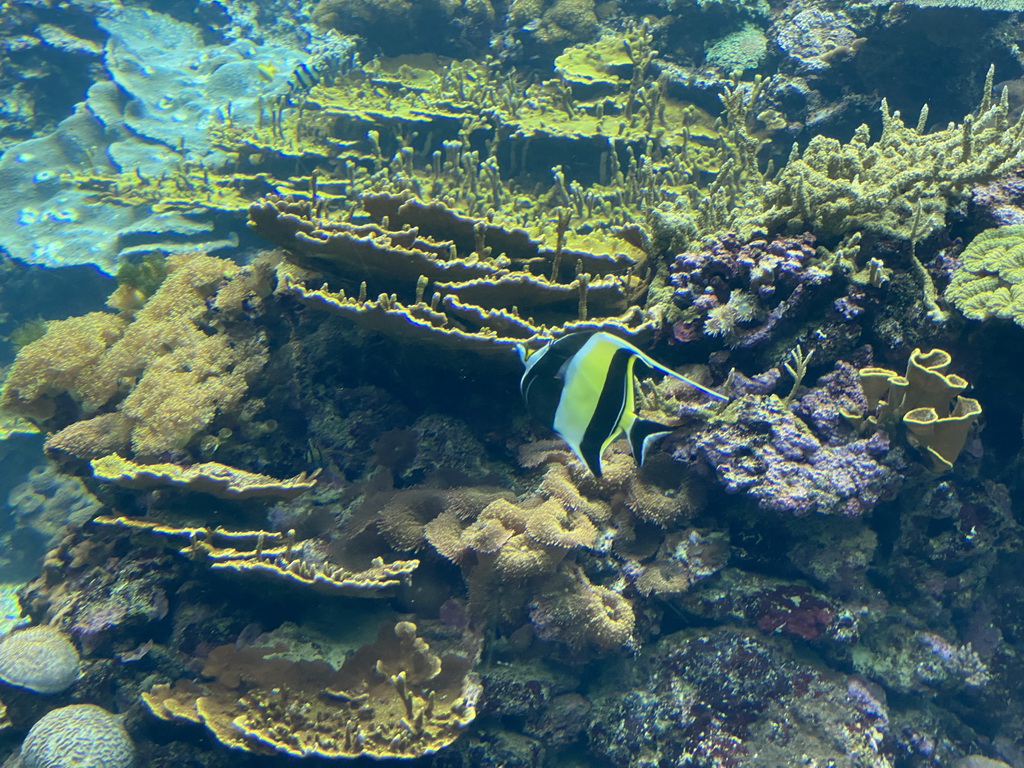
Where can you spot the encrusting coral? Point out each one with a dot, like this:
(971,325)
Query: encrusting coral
(393,698)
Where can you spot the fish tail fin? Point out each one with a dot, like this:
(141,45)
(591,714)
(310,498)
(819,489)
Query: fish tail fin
(642,434)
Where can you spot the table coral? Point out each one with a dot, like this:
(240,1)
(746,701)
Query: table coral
(148,110)
(278,556)
(492,297)
(209,477)
(394,698)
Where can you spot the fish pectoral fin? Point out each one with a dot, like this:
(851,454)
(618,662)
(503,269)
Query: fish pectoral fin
(642,434)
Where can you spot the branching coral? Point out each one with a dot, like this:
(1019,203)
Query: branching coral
(900,186)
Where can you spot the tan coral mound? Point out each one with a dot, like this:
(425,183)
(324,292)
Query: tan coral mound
(583,615)
(175,361)
(394,698)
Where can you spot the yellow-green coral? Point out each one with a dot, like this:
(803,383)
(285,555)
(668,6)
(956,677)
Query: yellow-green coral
(900,186)
(920,400)
(989,282)
(209,477)
(64,360)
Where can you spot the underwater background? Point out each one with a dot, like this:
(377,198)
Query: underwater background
(269,491)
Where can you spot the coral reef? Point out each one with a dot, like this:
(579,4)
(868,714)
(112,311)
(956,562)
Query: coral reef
(278,556)
(401,26)
(295,507)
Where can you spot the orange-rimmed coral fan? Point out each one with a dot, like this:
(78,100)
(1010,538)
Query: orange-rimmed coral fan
(926,400)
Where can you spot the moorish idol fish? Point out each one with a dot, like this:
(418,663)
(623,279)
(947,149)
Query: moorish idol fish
(581,385)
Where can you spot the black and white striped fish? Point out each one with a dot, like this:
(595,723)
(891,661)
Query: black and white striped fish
(581,385)
(305,77)
(332,55)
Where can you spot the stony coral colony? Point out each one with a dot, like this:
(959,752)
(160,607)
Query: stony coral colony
(292,501)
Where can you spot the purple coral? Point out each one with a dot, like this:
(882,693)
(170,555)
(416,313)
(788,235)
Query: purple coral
(761,448)
(813,40)
(1000,202)
(742,291)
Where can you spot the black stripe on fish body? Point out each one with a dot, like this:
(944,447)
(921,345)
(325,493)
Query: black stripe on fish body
(303,78)
(610,406)
(543,380)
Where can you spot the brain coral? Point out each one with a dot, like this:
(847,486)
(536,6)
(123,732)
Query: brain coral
(78,736)
(41,659)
